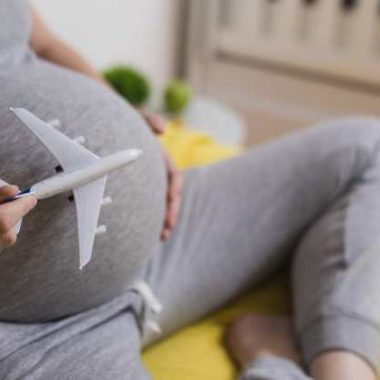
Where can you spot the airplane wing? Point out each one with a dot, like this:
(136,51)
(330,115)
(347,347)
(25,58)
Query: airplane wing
(69,154)
(17,226)
(88,200)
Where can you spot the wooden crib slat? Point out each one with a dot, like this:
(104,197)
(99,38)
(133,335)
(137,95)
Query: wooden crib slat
(288,21)
(340,43)
(364,33)
(244,15)
(325,32)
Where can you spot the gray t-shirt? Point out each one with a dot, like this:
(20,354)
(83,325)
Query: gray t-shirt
(39,276)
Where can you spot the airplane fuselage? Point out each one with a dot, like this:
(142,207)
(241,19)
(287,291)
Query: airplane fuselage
(69,181)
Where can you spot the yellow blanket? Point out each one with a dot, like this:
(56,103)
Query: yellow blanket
(189,148)
(197,351)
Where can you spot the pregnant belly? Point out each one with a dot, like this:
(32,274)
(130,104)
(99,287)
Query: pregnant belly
(40,277)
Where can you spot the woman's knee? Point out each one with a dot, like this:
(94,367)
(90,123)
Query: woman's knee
(360,132)
(353,143)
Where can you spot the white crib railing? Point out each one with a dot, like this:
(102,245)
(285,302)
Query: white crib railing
(333,37)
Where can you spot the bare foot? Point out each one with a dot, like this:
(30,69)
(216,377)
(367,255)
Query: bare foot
(253,336)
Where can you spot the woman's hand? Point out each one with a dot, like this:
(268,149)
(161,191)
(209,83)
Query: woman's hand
(11,213)
(157,125)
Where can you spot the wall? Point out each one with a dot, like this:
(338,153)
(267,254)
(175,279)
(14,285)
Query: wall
(139,32)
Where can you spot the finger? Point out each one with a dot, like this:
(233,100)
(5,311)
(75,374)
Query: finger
(156,122)
(8,239)
(165,234)
(12,212)
(172,213)
(8,191)
(166,227)
(175,185)
(175,178)
(171,218)
(173,197)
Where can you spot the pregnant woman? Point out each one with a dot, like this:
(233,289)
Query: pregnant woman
(312,198)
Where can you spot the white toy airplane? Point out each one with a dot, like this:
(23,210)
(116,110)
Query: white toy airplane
(84,173)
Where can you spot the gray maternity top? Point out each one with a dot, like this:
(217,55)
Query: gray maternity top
(46,253)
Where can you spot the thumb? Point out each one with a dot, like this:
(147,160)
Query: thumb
(8,191)
(15,210)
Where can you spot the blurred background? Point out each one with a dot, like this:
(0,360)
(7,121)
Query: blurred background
(257,68)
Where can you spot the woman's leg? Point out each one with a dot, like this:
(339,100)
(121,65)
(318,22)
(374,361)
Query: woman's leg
(336,277)
(241,219)
(267,348)
(102,343)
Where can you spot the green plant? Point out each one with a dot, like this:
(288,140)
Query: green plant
(130,83)
(177,96)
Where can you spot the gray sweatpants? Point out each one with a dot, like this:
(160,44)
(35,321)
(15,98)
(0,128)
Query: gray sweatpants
(312,197)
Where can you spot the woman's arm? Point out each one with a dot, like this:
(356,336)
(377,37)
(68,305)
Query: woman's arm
(48,46)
